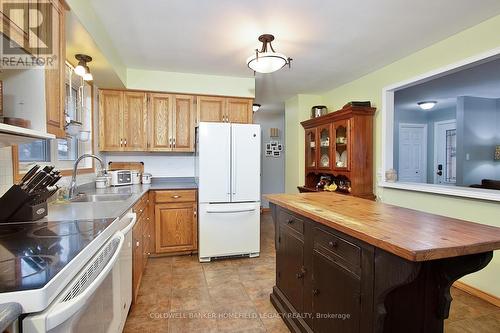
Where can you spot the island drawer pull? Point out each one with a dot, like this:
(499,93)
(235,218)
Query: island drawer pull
(333,244)
(176,196)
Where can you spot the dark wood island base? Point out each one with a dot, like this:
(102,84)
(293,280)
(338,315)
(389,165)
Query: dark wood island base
(347,272)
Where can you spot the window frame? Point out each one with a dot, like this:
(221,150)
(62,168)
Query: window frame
(66,167)
(387,149)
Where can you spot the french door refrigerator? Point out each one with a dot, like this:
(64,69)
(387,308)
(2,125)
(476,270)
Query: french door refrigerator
(228,177)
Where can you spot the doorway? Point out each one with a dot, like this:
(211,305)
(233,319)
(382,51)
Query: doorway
(413,153)
(445,151)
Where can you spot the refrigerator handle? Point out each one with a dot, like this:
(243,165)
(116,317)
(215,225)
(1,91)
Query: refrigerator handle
(233,163)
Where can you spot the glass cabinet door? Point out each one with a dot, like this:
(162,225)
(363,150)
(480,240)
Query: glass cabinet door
(325,151)
(311,148)
(342,144)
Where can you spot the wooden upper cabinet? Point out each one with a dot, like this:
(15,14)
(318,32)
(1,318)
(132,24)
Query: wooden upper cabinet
(135,121)
(160,122)
(54,77)
(183,123)
(110,120)
(176,227)
(210,108)
(14,16)
(239,110)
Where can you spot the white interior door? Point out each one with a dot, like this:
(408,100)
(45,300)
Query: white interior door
(214,162)
(445,148)
(245,161)
(413,153)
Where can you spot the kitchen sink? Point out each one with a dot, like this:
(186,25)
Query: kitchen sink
(100,197)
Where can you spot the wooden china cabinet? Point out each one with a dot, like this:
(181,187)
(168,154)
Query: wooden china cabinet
(339,147)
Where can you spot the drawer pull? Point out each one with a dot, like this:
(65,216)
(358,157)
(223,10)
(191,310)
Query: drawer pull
(332,244)
(176,196)
(302,273)
(137,244)
(289,221)
(315,292)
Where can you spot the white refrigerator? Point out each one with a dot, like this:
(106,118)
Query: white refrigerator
(228,177)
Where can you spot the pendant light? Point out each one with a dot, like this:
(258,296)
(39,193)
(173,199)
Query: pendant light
(267,61)
(82,69)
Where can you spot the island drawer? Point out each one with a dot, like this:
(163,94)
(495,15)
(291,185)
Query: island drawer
(290,220)
(176,196)
(349,252)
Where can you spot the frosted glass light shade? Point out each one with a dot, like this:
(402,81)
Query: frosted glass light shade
(88,76)
(80,70)
(267,62)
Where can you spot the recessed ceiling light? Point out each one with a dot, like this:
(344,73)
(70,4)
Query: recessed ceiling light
(265,61)
(255,107)
(427,105)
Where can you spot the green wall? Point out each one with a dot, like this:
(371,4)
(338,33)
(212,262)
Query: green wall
(190,83)
(473,41)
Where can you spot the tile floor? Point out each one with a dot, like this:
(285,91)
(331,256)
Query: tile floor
(178,294)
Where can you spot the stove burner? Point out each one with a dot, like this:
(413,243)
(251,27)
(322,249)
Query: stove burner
(63,229)
(24,267)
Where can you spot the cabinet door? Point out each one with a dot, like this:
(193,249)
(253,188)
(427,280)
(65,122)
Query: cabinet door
(325,148)
(342,144)
(239,110)
(137,258)
(210,108)
(183,123)
(335,291)
(311,149)
(160,115)
(176,227)
(54,77)
(15,15)
(110,120)
(135,121)
(289,266)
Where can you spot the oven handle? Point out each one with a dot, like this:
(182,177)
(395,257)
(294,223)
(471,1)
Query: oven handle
(62,311)
(133,217)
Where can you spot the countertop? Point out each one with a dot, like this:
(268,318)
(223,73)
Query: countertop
(103,209)
(407,233)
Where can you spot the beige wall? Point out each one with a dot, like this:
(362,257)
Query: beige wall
(471,42)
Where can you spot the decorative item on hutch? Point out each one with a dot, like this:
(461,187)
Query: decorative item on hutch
(339,151)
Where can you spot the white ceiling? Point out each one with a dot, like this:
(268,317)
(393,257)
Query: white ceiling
(478,80)
(331,42)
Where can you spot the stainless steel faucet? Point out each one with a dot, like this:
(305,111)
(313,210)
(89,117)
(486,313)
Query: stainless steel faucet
(72,187)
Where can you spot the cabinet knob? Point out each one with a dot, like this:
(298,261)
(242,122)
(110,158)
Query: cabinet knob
(315,292)
(137,244)
(176,196)
(125,142)
(289,221)
(332,244)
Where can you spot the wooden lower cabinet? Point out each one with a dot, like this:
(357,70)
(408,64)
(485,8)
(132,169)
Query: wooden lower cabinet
(322,275)
(141,235)
(176,227)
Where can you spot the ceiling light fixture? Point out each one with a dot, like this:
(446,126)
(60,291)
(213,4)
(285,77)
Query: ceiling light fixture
(265,61)
(427,105)
(82,69)
(255,107)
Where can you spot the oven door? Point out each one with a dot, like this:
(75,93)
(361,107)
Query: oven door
(91,302)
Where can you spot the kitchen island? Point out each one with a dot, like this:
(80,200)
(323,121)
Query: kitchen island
(345,264)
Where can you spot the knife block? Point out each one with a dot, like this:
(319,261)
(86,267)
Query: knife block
(16,205)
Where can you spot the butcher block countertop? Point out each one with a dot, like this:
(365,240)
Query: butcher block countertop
(407,233)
